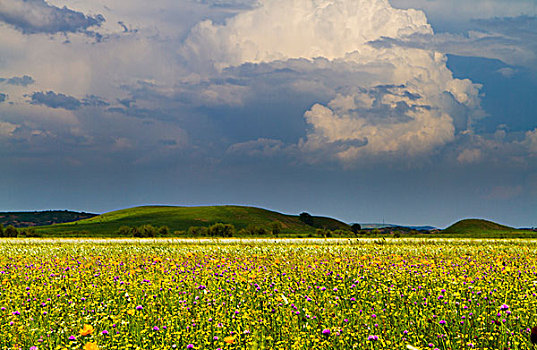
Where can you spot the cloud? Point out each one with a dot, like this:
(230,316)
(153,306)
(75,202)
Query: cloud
(59,100)
(531,141)
(232,4)
(3,97)
(404,101)
(280,30)
(507,72)
(256,148)
(94,101)
(54,100)
(25,80)
(454,14)
(512,40)
(7,129)
(469,156)
(37,16)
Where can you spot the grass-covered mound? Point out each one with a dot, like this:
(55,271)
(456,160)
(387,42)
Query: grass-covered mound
(480,228)
(40,218)
(182,218)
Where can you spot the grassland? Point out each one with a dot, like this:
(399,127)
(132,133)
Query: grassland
(321,294)
(39,218)
(478,228)
(181,218)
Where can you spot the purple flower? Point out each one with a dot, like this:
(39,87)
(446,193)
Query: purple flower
(156,329)
(16,313)
(105,332)
(504,307)
(72,337)
(442,322)
(139,307)
(373,338)
(190,346)
(326,332)
(33,347)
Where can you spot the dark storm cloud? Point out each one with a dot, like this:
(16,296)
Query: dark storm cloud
(94,101)
(25,80)
(37,16)
(54,100)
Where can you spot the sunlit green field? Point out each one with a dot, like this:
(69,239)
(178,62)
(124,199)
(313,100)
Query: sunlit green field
(255,294)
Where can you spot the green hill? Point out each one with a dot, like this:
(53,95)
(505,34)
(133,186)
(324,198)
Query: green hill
(483,228)
(40,218)
(181,218)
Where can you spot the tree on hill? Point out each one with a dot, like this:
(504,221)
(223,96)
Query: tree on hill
(197,231)
(355,228)
(221,230)
(164,231)
(10,231)
(148,231)
(253,230)
(124,231)
(1,230)
(276,228)
(306,218)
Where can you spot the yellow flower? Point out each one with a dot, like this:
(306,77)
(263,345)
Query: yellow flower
(130,312)
(87,330)
(229,340)
(91,346)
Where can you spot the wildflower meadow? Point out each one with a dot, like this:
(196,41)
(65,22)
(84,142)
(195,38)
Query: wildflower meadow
(267,294)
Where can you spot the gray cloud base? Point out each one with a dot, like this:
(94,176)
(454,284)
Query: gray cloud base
(37,16)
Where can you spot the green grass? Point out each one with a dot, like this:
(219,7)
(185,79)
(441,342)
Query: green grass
(40,218)
(181,218)
(479,228)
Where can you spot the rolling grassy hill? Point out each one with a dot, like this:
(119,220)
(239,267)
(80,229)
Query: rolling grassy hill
(181,218)
(40,218)
(480,228)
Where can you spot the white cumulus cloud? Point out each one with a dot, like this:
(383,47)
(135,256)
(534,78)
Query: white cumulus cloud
(279,30)
(531,141)
(407,103)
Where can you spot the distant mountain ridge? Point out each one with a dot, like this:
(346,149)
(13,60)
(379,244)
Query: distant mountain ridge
(376,225)
(41,218)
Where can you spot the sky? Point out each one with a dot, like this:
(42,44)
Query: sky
(414,112)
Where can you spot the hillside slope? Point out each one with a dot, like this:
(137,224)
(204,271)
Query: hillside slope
(476,225)
(181,218)
(40,218)
(479,228)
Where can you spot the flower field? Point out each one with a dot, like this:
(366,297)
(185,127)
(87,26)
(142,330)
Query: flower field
(310,294)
